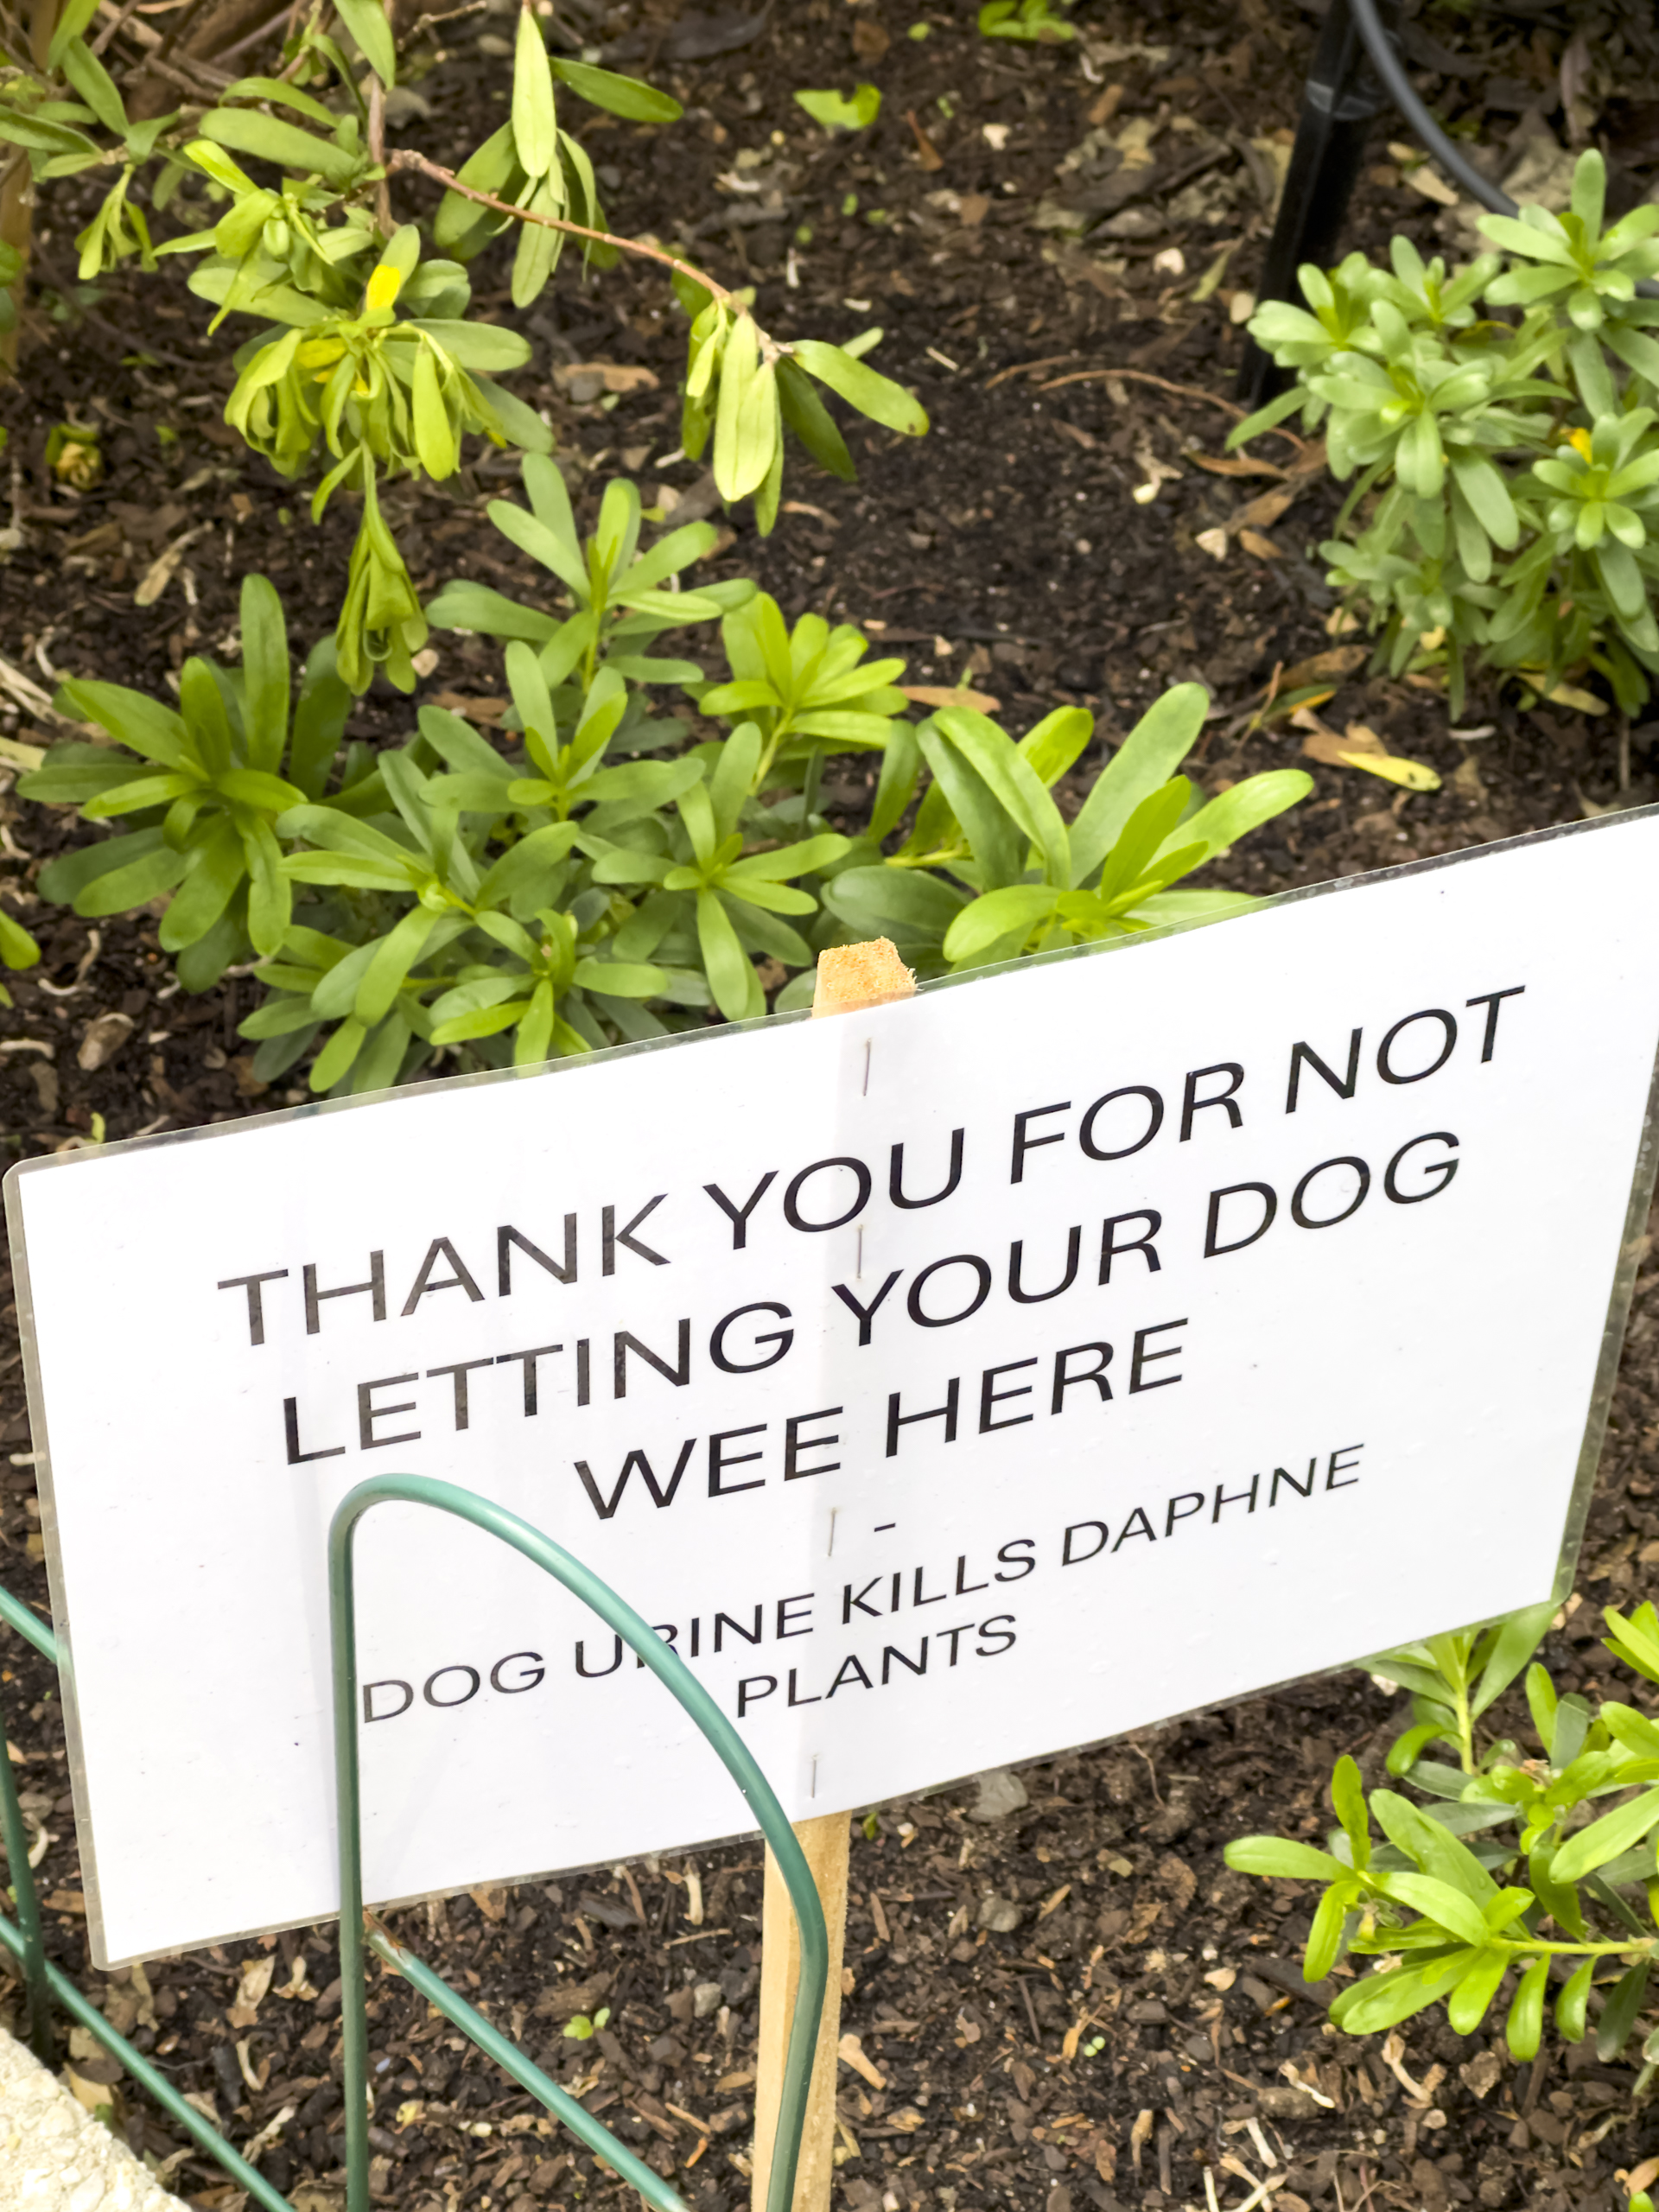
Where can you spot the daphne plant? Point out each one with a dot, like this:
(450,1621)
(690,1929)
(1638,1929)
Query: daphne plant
(590,875)
(1512,1874)
(991,869)
(366,362)
(1504,464)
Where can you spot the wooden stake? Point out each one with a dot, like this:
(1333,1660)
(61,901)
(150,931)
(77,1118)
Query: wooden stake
(850,978)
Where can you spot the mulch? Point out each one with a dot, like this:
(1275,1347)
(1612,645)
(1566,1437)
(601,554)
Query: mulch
(1074,2003)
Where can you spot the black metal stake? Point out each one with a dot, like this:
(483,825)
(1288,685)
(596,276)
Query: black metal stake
(1340,100)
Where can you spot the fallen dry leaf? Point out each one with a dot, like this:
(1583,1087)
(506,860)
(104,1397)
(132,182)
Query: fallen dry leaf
(1359,747)
(481,709)
(104,1038)
(850,2051)
(926,152)
(88,2094)
(973,209)
(1139,2136)
(252,1987)
(1336,660)
(298,1984)
(947,694)
(1433,185)
(492,1902)
(1234,464)
(159,572)
(1264,547)
(1263,511)
(617,376)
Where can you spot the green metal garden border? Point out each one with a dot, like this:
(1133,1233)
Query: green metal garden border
(44,1985)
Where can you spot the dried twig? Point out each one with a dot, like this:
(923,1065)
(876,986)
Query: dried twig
(406,158)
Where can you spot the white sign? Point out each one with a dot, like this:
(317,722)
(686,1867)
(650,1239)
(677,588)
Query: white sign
(953,1382)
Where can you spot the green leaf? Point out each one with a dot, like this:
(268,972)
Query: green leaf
(96,86)
(366,21)
(1541,1703)
(435,441)
(731,978)
(535,128)
(1145,761)
(1435,1851)
(998,914)
(1517,1639)
(212,870)
(277,1017)
(811,421)
(144,724)
(908,904)
(1280,1856)
(1234,813)
(746,417)
(1404,1751)
(1571,2004)
(1016,784)
(1467,2006)
(463,605)
(488,347)
(873,394)
(270,893)
(837,112)
(1325,1937)
(1383,1999)
(1524,2030)
(1447,1907)
(1606,1838)
(387,972)
(116,876)
(1348,1802)
(1559,1899)
(623,96)
(1053,746)
(1618,2015)
(336,1057)
(267,138)
(17,948)
(619,979)
(999,846)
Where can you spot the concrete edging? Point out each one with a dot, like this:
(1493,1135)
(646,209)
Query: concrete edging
(55,2156)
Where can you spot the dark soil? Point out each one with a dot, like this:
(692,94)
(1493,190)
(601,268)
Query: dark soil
(1005,547)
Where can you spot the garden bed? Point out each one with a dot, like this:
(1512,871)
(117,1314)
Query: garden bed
(1007,549)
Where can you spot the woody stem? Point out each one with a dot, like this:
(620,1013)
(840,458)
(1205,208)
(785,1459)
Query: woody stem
(407,158)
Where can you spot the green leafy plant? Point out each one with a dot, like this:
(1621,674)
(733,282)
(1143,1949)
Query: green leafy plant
(11,269)
(596,877)
(1033,21)
(367,361)
(991,869)
(1501,429)
(18,949)
(581,2029)
(840,112)
(1517,1873)
(203,785)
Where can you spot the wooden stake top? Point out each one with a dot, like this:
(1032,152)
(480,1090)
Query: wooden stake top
(853,977)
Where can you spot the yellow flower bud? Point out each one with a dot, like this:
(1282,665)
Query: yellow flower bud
(384,287)
(1579,441)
